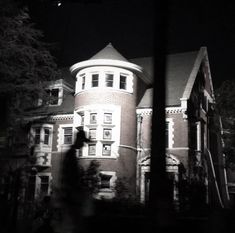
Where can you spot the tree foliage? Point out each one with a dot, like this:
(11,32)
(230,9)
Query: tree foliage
(225,98)
(25,61)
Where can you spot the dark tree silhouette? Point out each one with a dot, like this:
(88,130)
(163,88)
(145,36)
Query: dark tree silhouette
(26,64)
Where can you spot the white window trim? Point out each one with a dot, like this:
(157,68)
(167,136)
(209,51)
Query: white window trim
(60,93)
(108,193)
(170,132)
(60,137)
(115,126)
(102,70)
(38,184)
(41,146)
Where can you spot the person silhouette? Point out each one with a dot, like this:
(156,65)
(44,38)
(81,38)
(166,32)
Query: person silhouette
(74,193)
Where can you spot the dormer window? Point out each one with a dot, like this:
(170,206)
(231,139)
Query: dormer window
(95,80)
(109,80)
(122,83)
(53,96)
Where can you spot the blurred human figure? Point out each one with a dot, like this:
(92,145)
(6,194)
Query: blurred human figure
(74,193)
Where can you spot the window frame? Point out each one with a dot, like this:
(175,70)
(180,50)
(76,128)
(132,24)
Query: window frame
(114,114)
(93,137)
(92,121)
(68,135)
(93,154)
(109,151)
(96,82)
(105,136)
(106,81)
(105,121)
(121,82)
(42,135)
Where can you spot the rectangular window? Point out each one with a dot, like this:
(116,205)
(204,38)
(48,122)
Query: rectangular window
(54,96)
(167,135)
(105,181)
(94,80)
(109,80)
(106,149)
(44,186)
(82,119)
(107,134)
(68,135)
(107,118)
(91,149)
(46,136)
(83,81)
(93,118)
(37,136)
(122,82)
(92,134)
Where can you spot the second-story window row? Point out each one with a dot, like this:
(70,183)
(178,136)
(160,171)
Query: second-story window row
(113,80)
(41,135)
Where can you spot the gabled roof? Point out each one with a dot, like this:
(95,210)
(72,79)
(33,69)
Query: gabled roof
(109,52)
(180,71)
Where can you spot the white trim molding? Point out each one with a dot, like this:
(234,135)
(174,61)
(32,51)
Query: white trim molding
(60,137)
(170,132)
(105,136)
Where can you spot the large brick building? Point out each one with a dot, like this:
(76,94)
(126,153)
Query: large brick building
(110,98)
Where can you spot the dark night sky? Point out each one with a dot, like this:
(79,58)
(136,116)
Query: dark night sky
(82,29)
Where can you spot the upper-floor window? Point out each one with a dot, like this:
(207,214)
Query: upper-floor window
(107,149)
(107,118)
(83,81)
(92,134)
(41,135)
(92,149)
(108,80)
(68,135)
(122,83)
(93,118)
(105,77)
(46,136)
(53,96)
(107,134)
(102,126)
(37,135)
(95,80)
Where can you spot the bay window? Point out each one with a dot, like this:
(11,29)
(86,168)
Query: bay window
(101,124)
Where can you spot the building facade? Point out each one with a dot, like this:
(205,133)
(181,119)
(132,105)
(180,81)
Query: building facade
(110,99)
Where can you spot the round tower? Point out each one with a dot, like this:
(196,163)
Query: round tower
(105,107)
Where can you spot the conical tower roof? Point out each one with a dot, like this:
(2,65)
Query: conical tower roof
(109,52)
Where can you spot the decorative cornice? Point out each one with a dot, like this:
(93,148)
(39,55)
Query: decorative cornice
(169,110)
(61,117)
(174,110)
(51,118)
(144,111)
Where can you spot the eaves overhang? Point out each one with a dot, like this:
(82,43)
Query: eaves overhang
(138,70)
